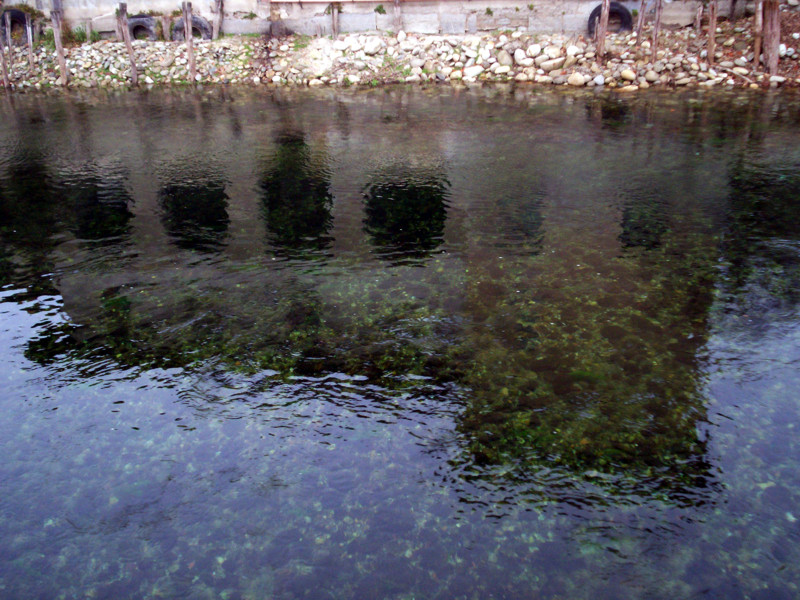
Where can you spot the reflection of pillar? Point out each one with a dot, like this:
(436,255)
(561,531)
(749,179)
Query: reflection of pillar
(99,201)
(296,198)
(195,211)
(406,210)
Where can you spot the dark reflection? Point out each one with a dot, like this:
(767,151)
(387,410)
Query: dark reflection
(195,207)
(100,202)
(296,198)
(611,112)
(644,220)
(406,210)
(761,247)
(31,217)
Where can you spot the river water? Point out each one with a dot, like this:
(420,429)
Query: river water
(400,343)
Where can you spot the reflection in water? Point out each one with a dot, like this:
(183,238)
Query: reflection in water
(195,207)
(644,221)
(550,403)
(406,210)
(99,200)
(610,112)
(297,199)
(761,248)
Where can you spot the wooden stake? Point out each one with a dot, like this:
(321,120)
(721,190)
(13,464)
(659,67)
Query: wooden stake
(88,28)
(758,30)
(656,29)
(603,29)
(7,16)
(6,82)
(712,31)
(29,32)
(640,22)
(166,25)
(56,18)
(398,16)
(217,25)
(122,24)
(187,31)
(772,35)
(698,20)
(334,19)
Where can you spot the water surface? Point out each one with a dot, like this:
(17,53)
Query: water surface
(400,343)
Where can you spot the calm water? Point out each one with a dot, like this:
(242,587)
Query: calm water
(400,344)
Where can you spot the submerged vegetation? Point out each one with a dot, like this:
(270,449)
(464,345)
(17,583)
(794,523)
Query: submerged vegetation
(514,343)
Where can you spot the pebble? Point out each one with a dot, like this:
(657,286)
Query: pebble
(354,59)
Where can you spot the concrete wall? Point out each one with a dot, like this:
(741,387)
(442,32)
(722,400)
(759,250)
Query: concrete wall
(427,16)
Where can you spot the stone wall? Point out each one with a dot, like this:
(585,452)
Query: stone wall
(427,16)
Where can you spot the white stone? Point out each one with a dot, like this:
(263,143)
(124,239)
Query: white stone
(573,50)
(473,72)
(777,79)
(552,64)
(533,50)
(519,56)
(553,51)
(628,75)
(599,80)
(502,70)
(576,79)
(401,36)
(372,45)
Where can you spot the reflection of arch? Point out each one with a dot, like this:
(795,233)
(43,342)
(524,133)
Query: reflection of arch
(612,113)
(644,221)
(100,201)
(195,208)
(406,209)
(296,198)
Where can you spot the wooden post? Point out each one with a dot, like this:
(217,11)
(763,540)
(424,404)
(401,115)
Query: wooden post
(398,16)
(166,25)
(122,25)
(698,20)
(187,30)
(640,22)
(656,29)
(88,28)
(758,29)
(772,35)
(335,19)
(712,31)
(7,16)
(29,32)
(6,82)
(217,25)
(56,18)
(603,29)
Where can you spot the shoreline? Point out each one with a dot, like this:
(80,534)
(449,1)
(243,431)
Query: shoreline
(375,59)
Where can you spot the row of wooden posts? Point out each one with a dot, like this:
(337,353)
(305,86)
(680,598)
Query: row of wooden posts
(57,19)
(766,34)
(766,30)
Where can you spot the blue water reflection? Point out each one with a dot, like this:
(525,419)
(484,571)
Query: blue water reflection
(399,343)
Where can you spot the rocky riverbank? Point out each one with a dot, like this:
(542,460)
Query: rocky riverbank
(376,59)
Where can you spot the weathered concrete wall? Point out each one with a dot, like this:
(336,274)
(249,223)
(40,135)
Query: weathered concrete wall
(427,16)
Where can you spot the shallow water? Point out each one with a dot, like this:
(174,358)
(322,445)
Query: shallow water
(400,343)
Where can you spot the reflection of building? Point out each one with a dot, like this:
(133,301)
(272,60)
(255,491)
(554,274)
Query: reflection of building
(572,315)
